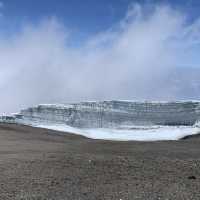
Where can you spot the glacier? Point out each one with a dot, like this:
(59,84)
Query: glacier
(116,120)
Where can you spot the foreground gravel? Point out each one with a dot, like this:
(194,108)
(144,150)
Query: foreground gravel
(42,164)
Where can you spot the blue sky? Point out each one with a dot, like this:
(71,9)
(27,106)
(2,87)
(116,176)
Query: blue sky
(84,17)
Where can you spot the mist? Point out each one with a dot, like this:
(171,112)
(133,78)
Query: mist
(132,60)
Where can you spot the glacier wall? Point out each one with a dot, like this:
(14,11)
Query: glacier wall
(113,114)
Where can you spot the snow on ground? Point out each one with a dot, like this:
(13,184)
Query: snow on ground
(152,134)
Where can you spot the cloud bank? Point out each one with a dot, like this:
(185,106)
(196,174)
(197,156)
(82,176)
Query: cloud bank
(131,60)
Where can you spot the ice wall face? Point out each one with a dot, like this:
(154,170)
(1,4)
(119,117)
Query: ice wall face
(114,114)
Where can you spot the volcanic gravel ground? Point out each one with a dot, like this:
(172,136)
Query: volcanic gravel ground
(43,164)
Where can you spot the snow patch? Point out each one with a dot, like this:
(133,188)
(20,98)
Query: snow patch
(136,134)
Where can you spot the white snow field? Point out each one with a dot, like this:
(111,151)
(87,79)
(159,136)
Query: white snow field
(155,133)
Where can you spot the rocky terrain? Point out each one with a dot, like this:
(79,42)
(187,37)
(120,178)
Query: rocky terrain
(43,164)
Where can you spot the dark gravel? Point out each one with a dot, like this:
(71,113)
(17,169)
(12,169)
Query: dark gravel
(42,164)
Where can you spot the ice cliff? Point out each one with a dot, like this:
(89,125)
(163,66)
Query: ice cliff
(112,114)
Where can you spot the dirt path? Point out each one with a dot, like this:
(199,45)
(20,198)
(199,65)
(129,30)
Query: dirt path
(43,164)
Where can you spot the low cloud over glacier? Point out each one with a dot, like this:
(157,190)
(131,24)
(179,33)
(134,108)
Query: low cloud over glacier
(134,59)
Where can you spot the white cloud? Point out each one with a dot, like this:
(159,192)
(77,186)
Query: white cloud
(129,61)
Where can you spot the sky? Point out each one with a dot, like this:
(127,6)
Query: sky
(65,51)
(83,17)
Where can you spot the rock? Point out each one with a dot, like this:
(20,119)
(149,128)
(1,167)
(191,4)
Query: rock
(192,177)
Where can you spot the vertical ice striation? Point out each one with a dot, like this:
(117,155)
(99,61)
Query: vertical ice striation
(114,114)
